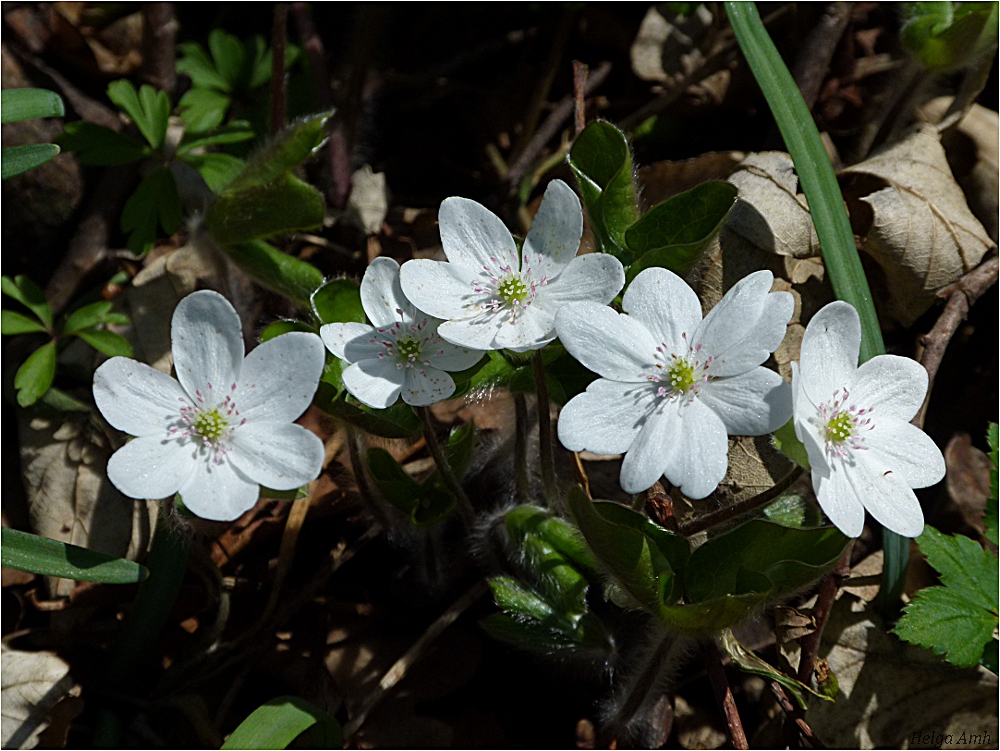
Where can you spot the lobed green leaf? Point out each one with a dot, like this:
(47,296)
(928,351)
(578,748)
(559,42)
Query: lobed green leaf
(35,376)
(148,108)
(155,203)
(30,295)
(277,271)
(96,145)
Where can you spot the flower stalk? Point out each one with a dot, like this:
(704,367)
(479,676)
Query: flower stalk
(447,473)
(546,457)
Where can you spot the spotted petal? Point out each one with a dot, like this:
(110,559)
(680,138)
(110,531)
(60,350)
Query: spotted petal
(351,342)
(554,238)
(381,295)
(473,236)
(279,378)
(219,492)
(425,386)
(442,290)
(152,467)
(376,383)
(207,342)
(136,398)
(278,455)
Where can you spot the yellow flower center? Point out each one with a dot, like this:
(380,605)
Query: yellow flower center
(840,427)
(681,375)
(210,425)
(512,289)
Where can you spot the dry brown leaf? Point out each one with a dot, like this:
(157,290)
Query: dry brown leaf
(32,684)
(662,180)
(665,47)
(918,227)
(968,479)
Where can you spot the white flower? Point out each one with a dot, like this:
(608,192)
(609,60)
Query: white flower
(402,353)
(854,422)
(673,385)
(226,428)
(490,298)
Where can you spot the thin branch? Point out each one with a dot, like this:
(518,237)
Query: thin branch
(159,32)
(723,694)
(813,62)
(740,508)
(399,669)
(279,40)
(444,467)
(821,614)
(961,296)
(546,457)
(580,71)
(795,714)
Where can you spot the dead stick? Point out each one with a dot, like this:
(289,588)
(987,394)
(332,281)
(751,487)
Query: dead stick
(740,508)
(723,694)
(159,32)
(813,63)
(961,296)
(279,36)
(580,100)
(821,614)
(796,714)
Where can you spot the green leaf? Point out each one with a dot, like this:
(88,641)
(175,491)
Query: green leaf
(284,327)
(106,342)
(243,213)
(528,634)
(640,561)
(92,315)
(217,170)
(719,612)
(277,271)
(788,443)
(948,36)
(425,504)
(30,295)
(602,162)
(990,518)
(748,662)
(397,421)
(794,510)
(285,151)
(155,203)
(29,104)
(228,54)
(97,145)
(35,376)
(149,108)
(19,159)
(62,402)
(40,555)
(203,109)
(521,521)
(514,597)
(789,558)
(673,234)
(196,65)
(280,721)
(555,579)
(234,132)
(15,323)
(338,301)
(958,618)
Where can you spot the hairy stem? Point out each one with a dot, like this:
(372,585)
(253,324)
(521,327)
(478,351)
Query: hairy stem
(521,447)
(279,35)
(544,428)
(447,473)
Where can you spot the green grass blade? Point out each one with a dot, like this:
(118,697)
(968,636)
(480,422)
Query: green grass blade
(829,215)
(40,555)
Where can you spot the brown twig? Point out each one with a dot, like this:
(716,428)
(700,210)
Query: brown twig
(795,714)
(560,113)
(279,39)
(159,32)
(813,62)
(821,614)
(961,296)
(662,505)
(723,694)
(742,507)
(579,98)
(399,669)
(546,457)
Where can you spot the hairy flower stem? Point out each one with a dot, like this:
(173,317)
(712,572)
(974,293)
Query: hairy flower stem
(743,507)
(447,473)
(521,447)
(544,429)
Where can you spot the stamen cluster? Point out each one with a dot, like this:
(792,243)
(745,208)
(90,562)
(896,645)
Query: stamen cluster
(507,289)
(409,345)
(841,424)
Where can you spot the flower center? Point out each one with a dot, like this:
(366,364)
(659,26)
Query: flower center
(682,375)
(210,425)
(512,289)
(408,347)
(410,344)
(841,423)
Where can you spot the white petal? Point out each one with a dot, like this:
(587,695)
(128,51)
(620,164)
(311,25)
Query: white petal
(442,290)
(351,341)
(426,386)
(473,236)
(666,305)
(555,233)
(838,498)
(829,354)
(746,326)
(207,342)
(803,413)
(906,450)
(136,398)
(219,492)
(474,333)
(594,277)
(533,328)
(381,295)
(606,418)
(610,344)
(653,448)
(890,386)
(279,455)
(376,382)
(885,494)
(152,467)
(754,403)
(279,378)
(446,356)
(698,463)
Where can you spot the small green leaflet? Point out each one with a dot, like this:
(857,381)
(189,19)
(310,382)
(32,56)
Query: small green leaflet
(991,502)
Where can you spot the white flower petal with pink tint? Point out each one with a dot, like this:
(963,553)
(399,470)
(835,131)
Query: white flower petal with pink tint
(492,299)
(189,432)
(402,355)
(673,384)
(853,421)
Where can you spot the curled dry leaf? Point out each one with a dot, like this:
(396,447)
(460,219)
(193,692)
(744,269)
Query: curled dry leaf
(666,43)
(32,684)
(968,479)
(914,221)
(69,496)
(368,203)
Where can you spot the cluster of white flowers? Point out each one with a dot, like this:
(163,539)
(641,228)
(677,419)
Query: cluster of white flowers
(672,385)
